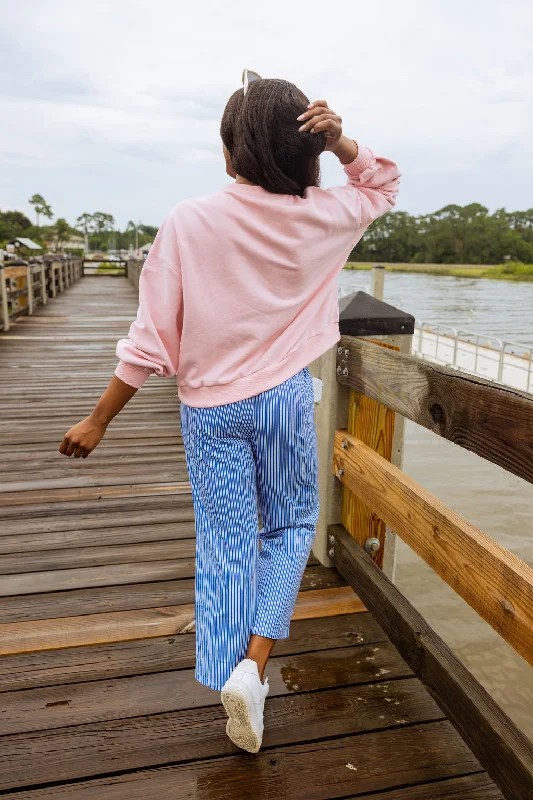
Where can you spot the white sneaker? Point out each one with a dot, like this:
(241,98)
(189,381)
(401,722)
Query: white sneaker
(243,697)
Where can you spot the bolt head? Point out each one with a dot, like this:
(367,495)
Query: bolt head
(345,371)
(344,444)
(372,545)
(331,552)
(339,350)
(346,352)
(339,369)
(331,539)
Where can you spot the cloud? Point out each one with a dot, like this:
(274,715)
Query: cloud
(117,105)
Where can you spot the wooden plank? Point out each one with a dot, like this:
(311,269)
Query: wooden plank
(72,558)
(373,424)
(336,769)
(120,698)
(84,577)
(19,498)
(470,787)
(121,626)
(119,659)
(494,421)
(502,749)
(22,542)
(491,579)
(173,737)
(128,596)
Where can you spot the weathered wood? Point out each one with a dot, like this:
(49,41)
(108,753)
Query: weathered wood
(37,561)
(143,656)
(502,749)
(494,421)
(373,424)
(121,626)
(470,787)
(491,579)
(72,704)
(116,596)
(174,737)
(334,769)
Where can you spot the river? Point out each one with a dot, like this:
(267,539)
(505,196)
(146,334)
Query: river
(497,502)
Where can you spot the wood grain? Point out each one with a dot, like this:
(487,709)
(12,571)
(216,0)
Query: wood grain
(335,769)
(504,751)
(491,579)
(494,421)
(179,736)
(122,626)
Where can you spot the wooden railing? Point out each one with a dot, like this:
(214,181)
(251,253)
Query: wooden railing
(24,286)
(496,423)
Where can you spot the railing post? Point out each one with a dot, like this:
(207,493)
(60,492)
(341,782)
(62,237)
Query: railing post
(44,295)
(377,283)
(340,408)
(3,292)
(29,286)
(331,413)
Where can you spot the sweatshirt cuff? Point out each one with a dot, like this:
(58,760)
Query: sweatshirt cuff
(132,375)
(365,159)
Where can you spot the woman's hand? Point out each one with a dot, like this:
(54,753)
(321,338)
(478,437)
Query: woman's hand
(81,439)
(319,117)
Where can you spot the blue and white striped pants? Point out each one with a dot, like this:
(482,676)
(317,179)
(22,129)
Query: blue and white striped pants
(258,453)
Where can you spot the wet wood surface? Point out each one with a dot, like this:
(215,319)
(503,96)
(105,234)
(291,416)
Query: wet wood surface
(100,547)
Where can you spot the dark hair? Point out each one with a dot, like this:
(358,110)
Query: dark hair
(260,131)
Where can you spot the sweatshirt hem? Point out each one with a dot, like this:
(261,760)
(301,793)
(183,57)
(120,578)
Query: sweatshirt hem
(264,379)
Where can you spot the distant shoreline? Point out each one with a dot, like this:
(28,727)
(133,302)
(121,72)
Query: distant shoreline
(453,270)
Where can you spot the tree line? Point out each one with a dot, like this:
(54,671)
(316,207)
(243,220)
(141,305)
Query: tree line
(453,235)
(98,229)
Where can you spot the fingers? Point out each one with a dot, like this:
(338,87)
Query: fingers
(328,125)
(312,123)
(69,448)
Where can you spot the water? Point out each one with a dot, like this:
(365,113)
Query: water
(497,502)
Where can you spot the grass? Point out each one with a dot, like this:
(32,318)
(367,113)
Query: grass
(510,271)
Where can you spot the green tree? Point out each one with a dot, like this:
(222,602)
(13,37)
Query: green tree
(41,207)
(62,231)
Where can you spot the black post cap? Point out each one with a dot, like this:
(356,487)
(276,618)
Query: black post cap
(360,314)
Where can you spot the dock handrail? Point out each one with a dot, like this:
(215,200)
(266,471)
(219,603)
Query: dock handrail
(25,285)
(496,423)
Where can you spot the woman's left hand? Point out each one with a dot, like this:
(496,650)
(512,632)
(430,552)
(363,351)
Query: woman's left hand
(82,438)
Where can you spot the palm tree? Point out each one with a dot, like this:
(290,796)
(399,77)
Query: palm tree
(61,230)
(41,207)
(86,222)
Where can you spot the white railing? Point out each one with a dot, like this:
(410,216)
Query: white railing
(509,363)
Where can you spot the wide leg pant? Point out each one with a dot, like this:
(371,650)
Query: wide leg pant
(258,453)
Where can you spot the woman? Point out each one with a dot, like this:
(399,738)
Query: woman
(237,296)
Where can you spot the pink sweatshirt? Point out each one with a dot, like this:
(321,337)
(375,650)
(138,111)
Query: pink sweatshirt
(239,290)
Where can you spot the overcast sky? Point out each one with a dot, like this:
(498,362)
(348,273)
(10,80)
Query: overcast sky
(115,106)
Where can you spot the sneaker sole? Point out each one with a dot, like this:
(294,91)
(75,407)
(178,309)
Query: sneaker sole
(239,727)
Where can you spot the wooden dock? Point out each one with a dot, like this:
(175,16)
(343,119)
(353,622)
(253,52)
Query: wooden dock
(98,698)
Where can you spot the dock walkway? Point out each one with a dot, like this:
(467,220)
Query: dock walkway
(98,698)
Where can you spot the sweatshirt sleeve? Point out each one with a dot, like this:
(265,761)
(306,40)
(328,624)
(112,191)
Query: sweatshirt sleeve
(371,189)
(153,341)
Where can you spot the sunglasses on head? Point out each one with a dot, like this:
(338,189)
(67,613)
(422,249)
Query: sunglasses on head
(249,77)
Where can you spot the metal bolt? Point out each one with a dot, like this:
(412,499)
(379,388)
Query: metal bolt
(346,352)
(339,350)
(372,545)
(331,539)
(345,371)
(339,369)
(344,444)
(340,472)
(331,552)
